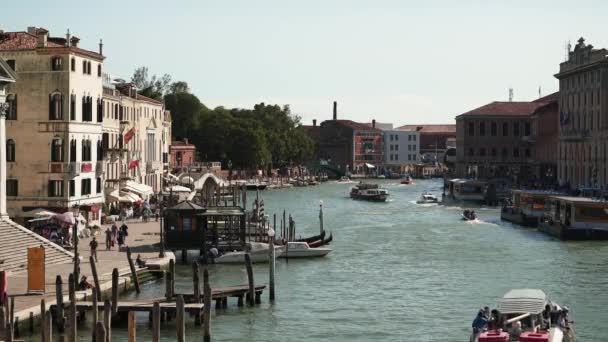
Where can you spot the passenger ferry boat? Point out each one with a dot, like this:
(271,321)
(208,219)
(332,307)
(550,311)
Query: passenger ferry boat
(525,207)
(576,218)
(467,189)
(369,192)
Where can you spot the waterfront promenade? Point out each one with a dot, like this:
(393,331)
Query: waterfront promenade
(143,239)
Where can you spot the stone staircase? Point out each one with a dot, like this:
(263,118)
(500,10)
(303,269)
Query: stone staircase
(14,242)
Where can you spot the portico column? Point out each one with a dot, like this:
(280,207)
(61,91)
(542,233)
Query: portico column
(3,110)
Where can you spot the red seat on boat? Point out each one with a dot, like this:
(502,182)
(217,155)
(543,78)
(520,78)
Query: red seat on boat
(494,336)
(528,336)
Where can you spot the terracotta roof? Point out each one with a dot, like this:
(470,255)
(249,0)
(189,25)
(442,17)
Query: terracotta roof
(357,125)
(147,99)
(21,41)
(548,98)
(429,128)
(505,109)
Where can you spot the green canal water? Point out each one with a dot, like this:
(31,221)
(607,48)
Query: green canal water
(400,272)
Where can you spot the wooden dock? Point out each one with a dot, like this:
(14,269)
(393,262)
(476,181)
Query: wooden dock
(221,295)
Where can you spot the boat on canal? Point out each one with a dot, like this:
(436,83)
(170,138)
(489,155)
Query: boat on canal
(256,185)
(258,251)
(369,192)
(296,249)
(427,198)
(575,218)
(526,315)
(321,242)
(469,215)
(312,238)
(525,207)
(407,180)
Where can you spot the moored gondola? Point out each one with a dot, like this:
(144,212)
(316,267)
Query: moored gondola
(313,238)
(320,243)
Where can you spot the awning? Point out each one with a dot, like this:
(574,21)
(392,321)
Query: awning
(178,188)
(128,197)
(39,213)
(369,166)
(142,190)
(187,180)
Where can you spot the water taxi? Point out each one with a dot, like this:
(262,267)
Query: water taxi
(427,198)
(575,218)
(407,180)
(369,192)
(296,249)
(524,315)
(525,207)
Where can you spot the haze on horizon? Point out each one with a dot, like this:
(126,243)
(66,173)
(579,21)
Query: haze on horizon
(402,62)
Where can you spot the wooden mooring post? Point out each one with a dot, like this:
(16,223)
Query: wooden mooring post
(180,321)
(251,294)
(95,278)
(48,327)
(133,271)
(72,333)
(132,323)
(156,322)
(114,291)
(172,271)
(196,283)
(207,306)
(59,301)
(107,321)
(100,332)
(95,313)
(272,260)
(43,320)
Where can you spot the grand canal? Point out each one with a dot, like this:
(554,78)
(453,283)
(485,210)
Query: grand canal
(402,272)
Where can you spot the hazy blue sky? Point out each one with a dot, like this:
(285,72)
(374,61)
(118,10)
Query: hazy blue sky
(395,61)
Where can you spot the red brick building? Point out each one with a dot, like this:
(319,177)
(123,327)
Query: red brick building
(182,153)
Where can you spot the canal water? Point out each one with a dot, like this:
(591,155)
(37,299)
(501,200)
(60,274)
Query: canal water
(400,271)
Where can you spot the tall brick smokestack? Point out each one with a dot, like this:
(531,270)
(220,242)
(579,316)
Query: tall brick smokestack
(335,110)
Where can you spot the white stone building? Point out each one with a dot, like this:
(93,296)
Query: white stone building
(401,149)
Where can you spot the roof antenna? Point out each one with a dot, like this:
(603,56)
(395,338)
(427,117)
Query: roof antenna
(539,92)
(510,94)
(567,48)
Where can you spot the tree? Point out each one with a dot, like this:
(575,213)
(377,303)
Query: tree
(153,87)
(185,112)
(179,87)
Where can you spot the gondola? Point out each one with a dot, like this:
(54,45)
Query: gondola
(313,238)
(320,243)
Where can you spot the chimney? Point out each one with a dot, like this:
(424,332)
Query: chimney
(101,47)
(314,122)
(373,123)
(74,41)
(42,35)
(67,38)
(335,110)
(31,30)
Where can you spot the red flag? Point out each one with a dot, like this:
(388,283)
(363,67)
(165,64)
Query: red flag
(129,135)
(133,164)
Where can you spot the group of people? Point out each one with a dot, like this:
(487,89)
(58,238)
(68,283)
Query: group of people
(469,214)
(116,236)
(555,316)
(487,320)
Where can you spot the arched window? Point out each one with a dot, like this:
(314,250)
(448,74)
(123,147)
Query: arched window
(73,150)
(87,108)
(57,150)
(73,64)
(99,151)
(11,99)
(84,67)
(56,63)
(89,68)
(99,70)
(10,150)
(56,106)
(116,111)
(86,150)
(73,107)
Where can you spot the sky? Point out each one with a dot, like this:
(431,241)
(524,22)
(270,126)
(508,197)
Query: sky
(400,62)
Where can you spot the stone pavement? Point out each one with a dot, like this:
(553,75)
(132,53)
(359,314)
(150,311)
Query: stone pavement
(143,239)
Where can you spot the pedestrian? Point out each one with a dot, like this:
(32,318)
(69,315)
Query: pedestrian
(140,263)
(157,213)
(125,231)
(108,238)
(121,238)
(114,234)
(93,245)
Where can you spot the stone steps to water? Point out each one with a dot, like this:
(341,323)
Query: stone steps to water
(15,240)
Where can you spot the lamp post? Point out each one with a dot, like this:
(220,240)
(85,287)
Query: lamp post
(271,234)
(161,254)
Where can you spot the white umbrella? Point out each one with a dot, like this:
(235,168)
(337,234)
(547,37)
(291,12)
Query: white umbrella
(67,217)
(178,188)
(187,180)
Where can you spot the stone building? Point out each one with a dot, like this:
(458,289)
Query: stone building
(54,123)
(433,140)
(583,117)
(505,140)
(401,149)
(182,154)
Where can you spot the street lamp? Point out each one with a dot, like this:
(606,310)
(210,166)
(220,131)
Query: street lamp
(161,254)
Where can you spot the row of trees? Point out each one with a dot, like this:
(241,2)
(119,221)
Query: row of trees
(265,136)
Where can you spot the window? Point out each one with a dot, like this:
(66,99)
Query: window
(57,150)
(105,140)
(516,152)
(88,68)
(493,129)
(414,157)
(56,106)
(84,67)
(86,150)
(391,137)
(413,147)
(12,63)
(187,224)
(73,64)
(73,107)
(11,99)
(527,153)
(482,152)
(10,150)
(396,137)
(396,157)
(98,70)
(391,147)
(527,129)
(72,188)
(99,110)
(482,129)
(72,150)
(505,129)
(516,129)
(56,63)
(493,152)
(55,188)
(87,108)
(98,185)
(85,186)
(471,129)
(396,147)
(409,157)
(505,153)
(391,156)
(12,187)
(99,151)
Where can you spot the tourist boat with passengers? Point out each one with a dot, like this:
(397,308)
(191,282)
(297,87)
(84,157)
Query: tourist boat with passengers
(427,198)
(525,207)
(258,251)
(525,315)
(295,249)
(369,192)
(575,218)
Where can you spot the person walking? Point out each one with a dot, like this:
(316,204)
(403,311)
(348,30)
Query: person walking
(108,239)
(125,232)
(93,244)
(114,234)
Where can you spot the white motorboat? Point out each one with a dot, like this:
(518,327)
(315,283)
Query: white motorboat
(302,250)
(427,197)
(258,251)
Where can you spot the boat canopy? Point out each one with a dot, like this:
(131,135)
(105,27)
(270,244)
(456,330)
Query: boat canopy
(521,301)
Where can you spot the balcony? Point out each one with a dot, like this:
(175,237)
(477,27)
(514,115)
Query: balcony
(74,169)
(574,134)
(57,167)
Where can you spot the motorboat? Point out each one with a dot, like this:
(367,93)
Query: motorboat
(258,251)
(369,192)
(524,315)
(469,215)
(426,198)
(296,249)
(256,185)
(407,180)
(345,179)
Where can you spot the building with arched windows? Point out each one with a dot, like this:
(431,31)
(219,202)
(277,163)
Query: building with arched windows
(53,123)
